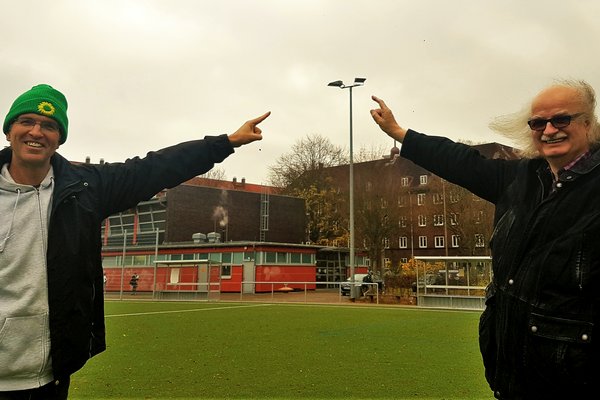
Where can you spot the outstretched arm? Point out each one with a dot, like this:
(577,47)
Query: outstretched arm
(249,132)
(384,117)
(122,185)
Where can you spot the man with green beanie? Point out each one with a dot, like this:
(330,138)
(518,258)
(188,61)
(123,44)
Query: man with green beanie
(52,316)
(42,100)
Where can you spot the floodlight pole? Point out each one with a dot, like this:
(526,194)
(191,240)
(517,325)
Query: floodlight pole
(340,84)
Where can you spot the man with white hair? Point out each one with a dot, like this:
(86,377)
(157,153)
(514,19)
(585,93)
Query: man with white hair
(543,306)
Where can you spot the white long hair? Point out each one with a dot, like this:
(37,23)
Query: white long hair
(514,126)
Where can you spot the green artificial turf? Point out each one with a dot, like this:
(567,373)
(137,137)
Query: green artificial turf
(283,351)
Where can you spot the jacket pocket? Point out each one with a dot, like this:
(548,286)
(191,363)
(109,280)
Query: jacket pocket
(568,273)
(559,349)
(24,347)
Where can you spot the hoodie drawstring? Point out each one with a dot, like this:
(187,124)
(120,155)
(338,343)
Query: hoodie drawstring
(12,220)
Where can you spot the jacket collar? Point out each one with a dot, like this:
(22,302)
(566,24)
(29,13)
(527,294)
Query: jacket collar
(582,167)
(64,172)
(588,164)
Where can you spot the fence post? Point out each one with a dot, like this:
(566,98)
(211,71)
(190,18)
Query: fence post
(123,263)
(155,266)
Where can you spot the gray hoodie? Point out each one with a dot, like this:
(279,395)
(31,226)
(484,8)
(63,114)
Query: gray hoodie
(24,334)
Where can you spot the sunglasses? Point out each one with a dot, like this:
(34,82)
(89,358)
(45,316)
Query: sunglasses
(558,121)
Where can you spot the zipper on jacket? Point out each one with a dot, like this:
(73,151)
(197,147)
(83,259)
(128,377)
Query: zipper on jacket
(42,222)
(579,263)
(578,273)
(41,216)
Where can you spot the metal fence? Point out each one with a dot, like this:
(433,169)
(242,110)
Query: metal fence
(453,282)
(312,292)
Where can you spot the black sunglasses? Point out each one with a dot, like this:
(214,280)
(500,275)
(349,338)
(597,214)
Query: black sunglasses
(558,121)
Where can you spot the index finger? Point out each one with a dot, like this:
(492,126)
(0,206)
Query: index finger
(260,119)
(381,103)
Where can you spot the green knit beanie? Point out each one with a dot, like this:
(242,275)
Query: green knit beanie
(43,100)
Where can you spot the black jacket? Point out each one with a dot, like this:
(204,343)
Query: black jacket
(537,332)
(84,195)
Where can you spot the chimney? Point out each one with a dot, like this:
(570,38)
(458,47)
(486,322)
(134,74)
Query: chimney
(243,181)
(101,161)
(87,160)
(234,180)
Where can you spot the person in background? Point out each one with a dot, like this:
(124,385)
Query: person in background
(537,332)
(52,315)
(134,282)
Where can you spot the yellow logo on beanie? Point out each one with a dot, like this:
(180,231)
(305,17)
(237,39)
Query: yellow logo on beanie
(46,108)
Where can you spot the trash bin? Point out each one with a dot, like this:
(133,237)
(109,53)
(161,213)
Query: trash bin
(356,291)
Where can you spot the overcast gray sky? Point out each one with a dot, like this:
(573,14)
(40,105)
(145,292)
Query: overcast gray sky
(143,74)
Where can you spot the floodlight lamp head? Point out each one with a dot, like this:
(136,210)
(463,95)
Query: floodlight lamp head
(339,84)
(359,81)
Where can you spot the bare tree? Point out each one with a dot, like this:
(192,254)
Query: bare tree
(373,225)
(302,166)
(370,153)
(471,219)
(325,225)
(376,212)
(217,173)
(300,173)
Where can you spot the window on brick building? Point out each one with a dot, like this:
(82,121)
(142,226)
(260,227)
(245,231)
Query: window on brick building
(455,240)
(403,242)
(454,197)
(438,242)
(386,243)
(402,201)
(453,219)
(479,240)
(478,217)
(402,222)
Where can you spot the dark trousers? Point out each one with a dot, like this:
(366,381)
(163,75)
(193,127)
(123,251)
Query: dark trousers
(55,390)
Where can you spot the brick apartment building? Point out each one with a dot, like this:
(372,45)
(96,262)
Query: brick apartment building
(403,210)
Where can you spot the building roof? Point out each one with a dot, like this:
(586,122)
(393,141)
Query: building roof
(232,185)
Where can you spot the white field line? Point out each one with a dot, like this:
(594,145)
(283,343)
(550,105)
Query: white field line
(183,311)
(379,307)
